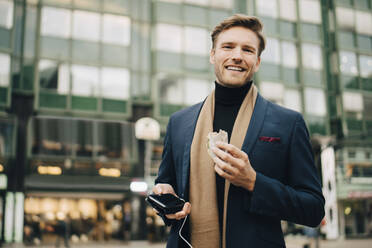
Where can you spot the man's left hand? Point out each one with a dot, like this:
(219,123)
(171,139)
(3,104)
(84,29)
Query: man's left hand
(233,164)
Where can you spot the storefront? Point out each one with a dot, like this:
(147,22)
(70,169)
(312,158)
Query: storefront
(357,215)
(88,217)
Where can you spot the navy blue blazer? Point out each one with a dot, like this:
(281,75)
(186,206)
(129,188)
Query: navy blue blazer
(287,186)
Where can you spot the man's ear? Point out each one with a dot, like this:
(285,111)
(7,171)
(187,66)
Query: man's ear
(211,56)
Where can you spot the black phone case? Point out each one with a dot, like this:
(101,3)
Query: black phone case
(161,207)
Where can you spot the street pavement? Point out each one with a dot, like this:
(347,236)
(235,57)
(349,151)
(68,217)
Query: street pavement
(292,242)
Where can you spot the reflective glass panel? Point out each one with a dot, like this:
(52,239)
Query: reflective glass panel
(54,76)
(83,138)
(364,22)
(312,56)
(288,10)
(198,2)
(116,29)
(7,129)
(51,136)
(348,63)
(196,90)
(365,63)
(272,91)
(6,14)
(292,100)
(169,37)
(196,41)
(115,83)
(352,101)
(84,80)
(227,4)
(171,90)
(315,102)
(272,51)
(289,54)
(267,8)
(4,69)
(310,11)
(345,18)
(55,22)
(114,140)
(86,25)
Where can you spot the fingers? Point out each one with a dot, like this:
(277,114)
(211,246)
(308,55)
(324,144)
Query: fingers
(233,150)
(223,161)
(163,188)
(181,214)
(226,159)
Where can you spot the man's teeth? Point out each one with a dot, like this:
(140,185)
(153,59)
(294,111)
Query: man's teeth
(234,68)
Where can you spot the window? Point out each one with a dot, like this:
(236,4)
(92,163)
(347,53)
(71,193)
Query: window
(312,56)
(116,29)
(86,25)
(272,91)
(315,102)
(84,80)
(289,54)
(227,4)
(348,63)
(170,90)
(288,10)
(4,69)
(345,18)
(292,100)
(364,22)
(310,11)
(352,102)
(196,90)
(196,41)
(267,8)
(6,14)
(365,63)
(272,51)
(55,22)
(198,2)
(115,83)
(168,38)
(54,76)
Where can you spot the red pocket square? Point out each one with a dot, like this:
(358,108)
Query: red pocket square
(270,139)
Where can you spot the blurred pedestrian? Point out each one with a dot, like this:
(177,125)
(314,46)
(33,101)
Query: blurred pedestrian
(61,229)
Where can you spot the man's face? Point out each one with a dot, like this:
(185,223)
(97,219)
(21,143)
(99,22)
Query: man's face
(235,56)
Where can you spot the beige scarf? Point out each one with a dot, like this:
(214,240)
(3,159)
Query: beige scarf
(203,197)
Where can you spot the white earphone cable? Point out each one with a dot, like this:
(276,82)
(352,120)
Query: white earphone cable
(179,233)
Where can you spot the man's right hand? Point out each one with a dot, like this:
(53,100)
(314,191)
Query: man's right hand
(164,188)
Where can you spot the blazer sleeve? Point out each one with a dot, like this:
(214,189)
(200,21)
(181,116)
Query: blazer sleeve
(300,200)
(166,173)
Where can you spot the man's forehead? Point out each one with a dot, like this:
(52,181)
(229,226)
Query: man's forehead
(238,34)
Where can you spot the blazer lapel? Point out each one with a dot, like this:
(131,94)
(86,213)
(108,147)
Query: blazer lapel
(255,124)
(191,118)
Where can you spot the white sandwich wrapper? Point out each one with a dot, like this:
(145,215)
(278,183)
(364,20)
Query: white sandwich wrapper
(213,137)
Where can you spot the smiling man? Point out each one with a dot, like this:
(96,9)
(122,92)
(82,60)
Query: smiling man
(264,174)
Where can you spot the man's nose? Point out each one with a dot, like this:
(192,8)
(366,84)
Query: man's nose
(237,55)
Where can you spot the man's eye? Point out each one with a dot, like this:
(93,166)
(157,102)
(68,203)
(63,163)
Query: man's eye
(227,47)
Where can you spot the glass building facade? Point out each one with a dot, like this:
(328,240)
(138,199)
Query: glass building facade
(86,70)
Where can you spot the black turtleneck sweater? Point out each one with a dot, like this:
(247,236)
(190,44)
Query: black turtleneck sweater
(227,105)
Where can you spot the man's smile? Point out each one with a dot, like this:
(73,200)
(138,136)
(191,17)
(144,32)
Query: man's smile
(234,68)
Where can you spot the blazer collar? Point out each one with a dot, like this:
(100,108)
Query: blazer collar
(191,119)
(255,124)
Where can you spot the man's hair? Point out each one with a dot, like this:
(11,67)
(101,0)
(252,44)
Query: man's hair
(239,20)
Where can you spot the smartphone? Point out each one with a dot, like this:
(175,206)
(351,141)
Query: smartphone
(166,203)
